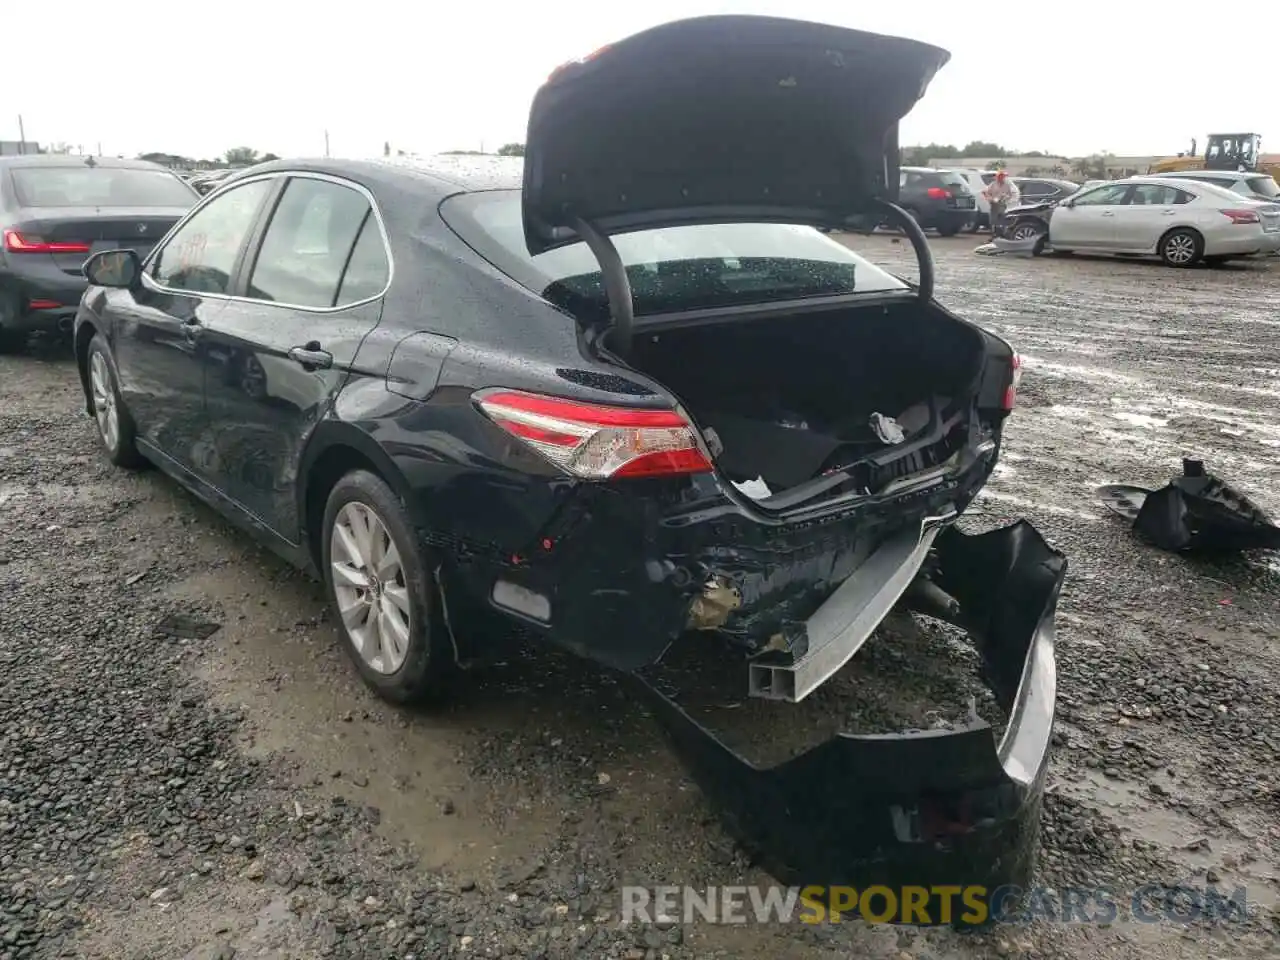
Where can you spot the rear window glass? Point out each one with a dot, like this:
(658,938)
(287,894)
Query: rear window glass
(951,178)
(99,187)
(1263,186)
(671,269)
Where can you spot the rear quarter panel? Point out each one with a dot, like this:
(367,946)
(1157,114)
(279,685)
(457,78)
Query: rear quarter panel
(454,324)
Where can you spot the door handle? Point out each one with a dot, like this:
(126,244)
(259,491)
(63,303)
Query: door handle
(1107,213)
(1169,213)
(311,357)
(191,328)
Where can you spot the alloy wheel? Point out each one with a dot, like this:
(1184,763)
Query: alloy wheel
(1180,248)
(104,401)
(369,585)
(1025,231)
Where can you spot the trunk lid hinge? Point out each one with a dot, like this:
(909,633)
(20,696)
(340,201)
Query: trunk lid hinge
(617,286)
(919,242)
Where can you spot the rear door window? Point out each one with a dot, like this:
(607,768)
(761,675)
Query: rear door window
(200,257)
(1104,196)
(369,269)
(1153,194)
(308,243)
(85,186)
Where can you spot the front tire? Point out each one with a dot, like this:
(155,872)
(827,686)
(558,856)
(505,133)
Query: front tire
(1181,247)
(116,430)
(383,592)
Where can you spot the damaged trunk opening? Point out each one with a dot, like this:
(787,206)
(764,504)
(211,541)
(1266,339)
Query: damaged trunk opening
(875,393)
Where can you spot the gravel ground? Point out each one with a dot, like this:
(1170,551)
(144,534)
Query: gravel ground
(188,768)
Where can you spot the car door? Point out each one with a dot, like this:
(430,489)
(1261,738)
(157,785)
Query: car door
(309,293)
(155,330)
(1146,214)
(1088,221)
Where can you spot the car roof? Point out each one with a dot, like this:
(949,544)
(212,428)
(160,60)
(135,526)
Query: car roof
(1190,181)
(1205,174)
(444,174)
(64,160)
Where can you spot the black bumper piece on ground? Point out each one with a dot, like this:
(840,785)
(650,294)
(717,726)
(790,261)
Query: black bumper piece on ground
(929,809)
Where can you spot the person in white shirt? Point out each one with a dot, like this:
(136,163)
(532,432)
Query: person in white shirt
(1002,193)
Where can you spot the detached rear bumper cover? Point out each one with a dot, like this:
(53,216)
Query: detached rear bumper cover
(930,809)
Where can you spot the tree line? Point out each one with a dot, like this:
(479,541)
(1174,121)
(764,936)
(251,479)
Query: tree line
(1097,166)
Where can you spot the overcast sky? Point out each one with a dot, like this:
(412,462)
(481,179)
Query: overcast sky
(196,78)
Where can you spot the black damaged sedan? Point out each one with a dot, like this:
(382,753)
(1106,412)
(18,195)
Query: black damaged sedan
(618,393)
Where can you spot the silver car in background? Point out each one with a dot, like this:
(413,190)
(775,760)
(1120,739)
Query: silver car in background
(1247,183)
(1182,221)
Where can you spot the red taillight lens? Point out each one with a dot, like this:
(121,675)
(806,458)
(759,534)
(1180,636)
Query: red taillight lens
(1241,216)
(1015,377)
(938,193)
(43,305)
(16,242)
(598,442)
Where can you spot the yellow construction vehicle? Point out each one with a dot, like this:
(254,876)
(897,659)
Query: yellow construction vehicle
(1225,151)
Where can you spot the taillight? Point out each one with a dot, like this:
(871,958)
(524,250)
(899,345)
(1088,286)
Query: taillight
(1015,377)
(16,242)
(938,193)
(1241,216)
(598,442)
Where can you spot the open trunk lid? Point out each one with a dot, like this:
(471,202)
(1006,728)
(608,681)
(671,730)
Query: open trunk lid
(721,118)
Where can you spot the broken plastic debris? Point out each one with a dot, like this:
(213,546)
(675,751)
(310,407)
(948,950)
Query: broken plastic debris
(756,489)
(1194,512)
(887,429)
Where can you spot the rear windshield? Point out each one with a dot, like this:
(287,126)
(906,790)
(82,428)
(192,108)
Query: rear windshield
(100,187)
(952,179)
(671,269)
(1263,186)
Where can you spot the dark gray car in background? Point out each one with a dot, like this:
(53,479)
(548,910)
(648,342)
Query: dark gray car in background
(55,211)
(938,199)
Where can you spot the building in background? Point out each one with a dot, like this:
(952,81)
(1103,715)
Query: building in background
(11,148)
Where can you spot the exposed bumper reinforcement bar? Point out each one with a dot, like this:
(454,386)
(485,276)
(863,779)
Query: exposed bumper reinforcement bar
(931,809)
(838,629)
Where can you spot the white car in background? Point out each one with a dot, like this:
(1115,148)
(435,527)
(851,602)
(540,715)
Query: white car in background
(977,181)
(1181,221)
(1248,183)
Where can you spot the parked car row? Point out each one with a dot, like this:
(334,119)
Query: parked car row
(950,200)
(55,212)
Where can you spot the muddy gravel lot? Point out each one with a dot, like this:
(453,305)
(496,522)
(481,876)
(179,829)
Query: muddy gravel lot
(189,768)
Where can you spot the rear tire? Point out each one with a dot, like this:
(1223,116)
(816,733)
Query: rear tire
(948,231)
(1181,247)
(10,341)
(116,430)
(376,571)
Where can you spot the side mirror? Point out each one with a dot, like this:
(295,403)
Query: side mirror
(121,269)
(1067,202)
